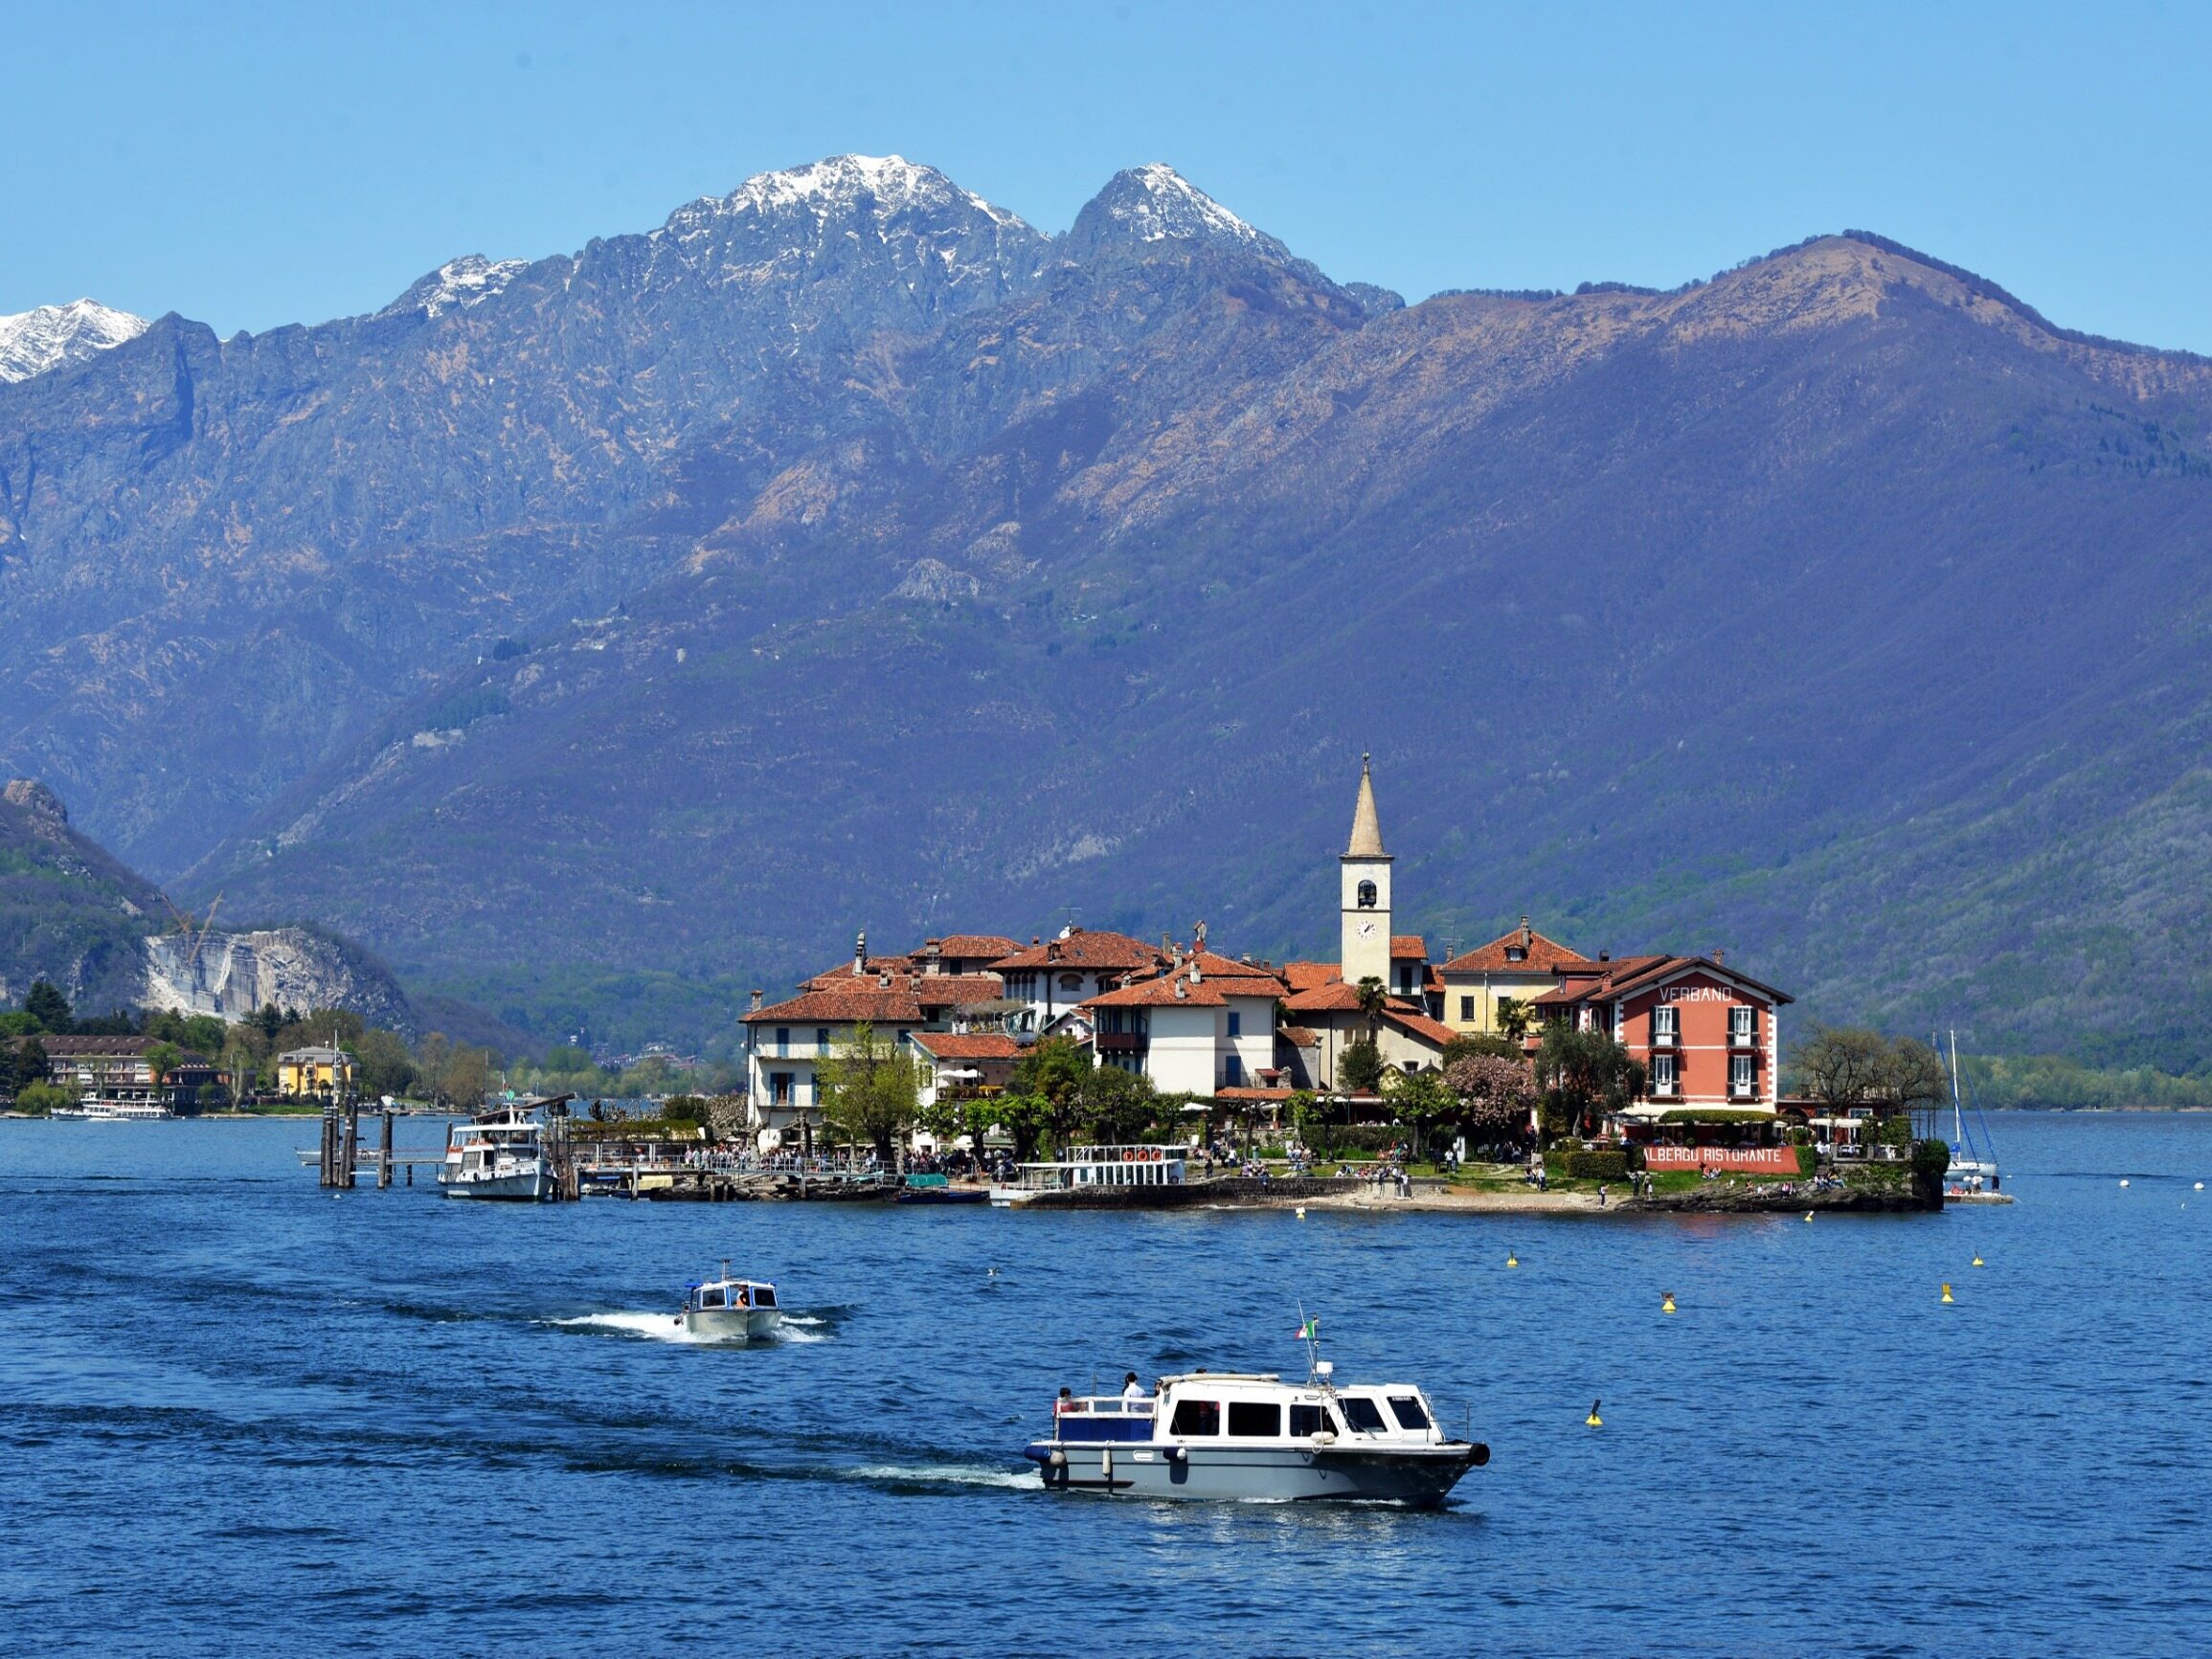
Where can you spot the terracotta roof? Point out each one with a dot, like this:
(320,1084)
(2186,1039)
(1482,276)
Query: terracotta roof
(1404,946)
(1245,1093)
(1420,1025)
(1337,997)
(1652,969)
(1219,967)
(967,1045)
(1305,975)
(991,945)
(864,1002)
(1160,993)
(1543,955)
(939,989)
(1085,949)
(1297,1036)
(842,975)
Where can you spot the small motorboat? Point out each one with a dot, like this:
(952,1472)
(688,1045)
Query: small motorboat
(1252,1436)
(729,1309)
(934,1189)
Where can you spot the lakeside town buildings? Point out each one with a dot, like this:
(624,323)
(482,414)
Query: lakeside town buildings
(1196,1022)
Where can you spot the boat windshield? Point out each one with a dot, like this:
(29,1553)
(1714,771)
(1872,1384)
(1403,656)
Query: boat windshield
(1408,1413)
(711,1298)
(1361,1413)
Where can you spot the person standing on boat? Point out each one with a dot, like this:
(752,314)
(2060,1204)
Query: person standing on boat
(1131,1388)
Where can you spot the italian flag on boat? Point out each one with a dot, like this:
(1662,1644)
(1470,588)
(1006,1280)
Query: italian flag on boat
(1310,1331)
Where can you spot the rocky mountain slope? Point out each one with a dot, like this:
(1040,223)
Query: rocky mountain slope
(847,553)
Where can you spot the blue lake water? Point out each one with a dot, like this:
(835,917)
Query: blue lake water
(238,1414)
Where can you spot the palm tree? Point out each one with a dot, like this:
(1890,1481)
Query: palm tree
(1373,1000)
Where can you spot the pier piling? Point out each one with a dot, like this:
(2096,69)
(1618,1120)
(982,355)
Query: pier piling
(384,1153)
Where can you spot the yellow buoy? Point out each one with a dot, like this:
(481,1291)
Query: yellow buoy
(1301,1212)
(1808,1215)
(2123,1180)
(1977,1261)
(1947,1293)
(1593,1419)
(1666,1301)
(1511,1260)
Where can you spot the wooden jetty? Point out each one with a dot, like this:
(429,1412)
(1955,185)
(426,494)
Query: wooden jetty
(342,1157)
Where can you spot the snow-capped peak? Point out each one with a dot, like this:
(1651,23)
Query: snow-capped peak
(1156,203)
(52,336)
(836,185)
(456,285)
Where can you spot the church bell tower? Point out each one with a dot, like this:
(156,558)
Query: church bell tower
(1366,891)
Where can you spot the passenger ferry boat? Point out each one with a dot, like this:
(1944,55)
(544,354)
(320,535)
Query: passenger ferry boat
(115,1111)
(1094,1168)
(499,1154)
(731,1310)
(1235,1435)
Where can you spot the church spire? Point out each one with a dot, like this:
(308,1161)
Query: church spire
(1367,841)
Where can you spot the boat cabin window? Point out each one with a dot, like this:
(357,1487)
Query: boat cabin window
(1408,1413)
(1308,1420)
(1254,1416)
(1362,1414)
(1196,1417)
(763,1295)
(710,1298)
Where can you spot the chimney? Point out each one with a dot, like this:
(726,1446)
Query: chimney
(1720,957)
(1052,951)
(883,981)
(860,951)
(1182,992)
(1196,977)
(1605,955)
(1528,934)
(755,999)
(934,949)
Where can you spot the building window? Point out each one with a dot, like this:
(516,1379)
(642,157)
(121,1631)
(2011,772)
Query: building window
(1235,1023)
(1663,1074)
(1742,1027)
(1740,1081)
(1367,895)
(1666,1024)
(821,1039)
(1515,953)
(1466,1010)
(783,1040)
(779,1087)
(1233,1072)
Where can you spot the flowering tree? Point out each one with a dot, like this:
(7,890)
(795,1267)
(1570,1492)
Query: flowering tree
(1496,1092)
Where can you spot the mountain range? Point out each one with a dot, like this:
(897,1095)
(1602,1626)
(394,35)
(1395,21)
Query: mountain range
(850,553)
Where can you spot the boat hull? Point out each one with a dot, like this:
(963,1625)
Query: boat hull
(523,1186)
(1418,1476)
(732,1324)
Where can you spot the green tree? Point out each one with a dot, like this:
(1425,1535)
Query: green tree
(383,1066)
(1420,1100)
(1360,1066)
(466,1078)
(1373,1000)
(46,1005)
(41,1098)
(1117,1107)
(1514,1018)
(1052,1073)
(1843,1065)
(161,1061)
(871,1090)
(1470,1044)
(1584,1074)
(28,1065)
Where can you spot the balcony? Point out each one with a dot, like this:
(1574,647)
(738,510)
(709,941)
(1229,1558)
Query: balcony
(1121,1042)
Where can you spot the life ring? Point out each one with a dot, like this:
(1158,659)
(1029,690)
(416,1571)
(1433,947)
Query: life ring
(1128,1155)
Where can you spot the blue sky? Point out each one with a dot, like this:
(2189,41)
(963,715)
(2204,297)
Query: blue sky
(251,166)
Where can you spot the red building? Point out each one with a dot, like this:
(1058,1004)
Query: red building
(1704,1034)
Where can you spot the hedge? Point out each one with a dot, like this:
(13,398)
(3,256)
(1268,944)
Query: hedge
(1609,1164)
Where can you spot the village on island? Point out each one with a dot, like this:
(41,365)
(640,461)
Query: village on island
(1094,1069)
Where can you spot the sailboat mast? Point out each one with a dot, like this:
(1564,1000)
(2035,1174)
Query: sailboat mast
(1957,1112)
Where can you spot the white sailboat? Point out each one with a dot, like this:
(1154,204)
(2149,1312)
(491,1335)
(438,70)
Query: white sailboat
(1973,1173)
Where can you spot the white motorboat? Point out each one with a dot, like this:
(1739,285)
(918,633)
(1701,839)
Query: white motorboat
(1252,1436)
(731,1310)
(499,1154)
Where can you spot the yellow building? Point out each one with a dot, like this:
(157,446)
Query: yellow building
(1518,965)
(306,1073)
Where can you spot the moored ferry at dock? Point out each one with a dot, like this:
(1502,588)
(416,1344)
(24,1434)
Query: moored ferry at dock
(1254,1437)
(502,1154)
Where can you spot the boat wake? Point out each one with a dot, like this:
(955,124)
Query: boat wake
(669,1328)
(942,1476)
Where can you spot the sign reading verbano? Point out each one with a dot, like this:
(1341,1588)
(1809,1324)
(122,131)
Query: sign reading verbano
(1766,1159)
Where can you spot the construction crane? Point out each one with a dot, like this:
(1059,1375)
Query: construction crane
(194,935)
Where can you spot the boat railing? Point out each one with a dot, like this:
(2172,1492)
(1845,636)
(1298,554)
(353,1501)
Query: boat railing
(1107,1406)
